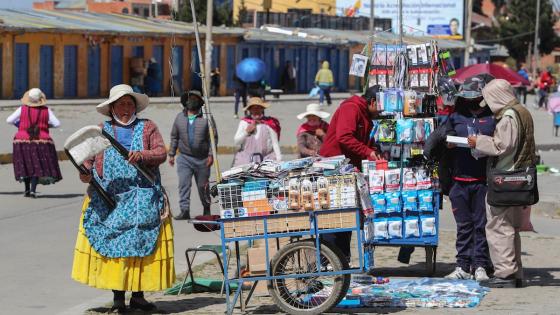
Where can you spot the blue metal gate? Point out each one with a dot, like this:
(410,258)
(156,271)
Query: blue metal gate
(70,71)
(21,69)
(303,82)
(344,68)
(157,54)
(177,63)
(46,70)
(216,57)
(116,65)
(196,82)
(230,64)
(94,71)
(138,51)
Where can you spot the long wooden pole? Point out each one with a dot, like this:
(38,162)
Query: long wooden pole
(205,93)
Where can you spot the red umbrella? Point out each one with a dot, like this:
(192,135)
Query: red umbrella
(494,70)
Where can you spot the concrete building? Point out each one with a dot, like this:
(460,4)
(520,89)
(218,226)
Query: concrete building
(143,8)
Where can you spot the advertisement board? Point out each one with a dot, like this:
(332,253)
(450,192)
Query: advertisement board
(438,18)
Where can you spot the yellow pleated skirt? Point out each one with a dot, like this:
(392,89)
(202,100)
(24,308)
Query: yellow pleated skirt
(151,273)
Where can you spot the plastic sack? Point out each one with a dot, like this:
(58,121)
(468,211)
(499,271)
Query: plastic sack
(314,91)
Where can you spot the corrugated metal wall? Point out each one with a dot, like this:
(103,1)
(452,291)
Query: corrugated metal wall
(21,69)
(157,53)
(177,57)
(46,70)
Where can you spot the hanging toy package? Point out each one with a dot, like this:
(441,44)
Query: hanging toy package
(387,131)
(428,224)
(410,101)
(393,200)
(409,179)
(394,227)
(428,127)
(380,229)
(405,131)
(419,130)
(411,227)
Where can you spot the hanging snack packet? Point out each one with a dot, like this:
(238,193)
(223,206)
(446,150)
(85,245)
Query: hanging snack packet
(423,179)
(411,227)
(409,179)
(376,181)
(426,200)
(410,200)
(419,130)
(392,180)
(393,202)
(405,131)
(428,224)
(394,227)
(380,229)
(379,203)
(387,131)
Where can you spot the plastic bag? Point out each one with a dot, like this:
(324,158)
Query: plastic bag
(314,91)
(394,227)
(423,179)
(426,200)
(409,179)
(411,227)
(376,181)
(380,229)
(410,200)
(392,180)
(379,203)
(393,202)
(428,225)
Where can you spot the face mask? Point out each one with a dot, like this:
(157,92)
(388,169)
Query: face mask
(130,121)
(194,105)
(257,117)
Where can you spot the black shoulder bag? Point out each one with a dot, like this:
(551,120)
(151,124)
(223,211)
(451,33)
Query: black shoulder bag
(517,187)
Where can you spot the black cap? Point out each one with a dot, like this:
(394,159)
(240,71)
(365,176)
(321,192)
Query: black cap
(187,94)
(472,87)
(371,93)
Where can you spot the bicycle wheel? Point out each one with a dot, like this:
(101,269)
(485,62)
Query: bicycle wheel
(309,295)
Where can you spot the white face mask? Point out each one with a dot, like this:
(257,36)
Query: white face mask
(130,121)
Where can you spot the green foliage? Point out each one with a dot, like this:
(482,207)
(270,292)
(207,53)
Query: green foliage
(519,18)
(242,14)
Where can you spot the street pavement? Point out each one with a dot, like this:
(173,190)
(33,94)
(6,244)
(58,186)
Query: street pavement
(37,235)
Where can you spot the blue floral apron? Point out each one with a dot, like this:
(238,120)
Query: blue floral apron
(132,228)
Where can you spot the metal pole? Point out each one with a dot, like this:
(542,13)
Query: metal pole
(208,40)
(400,23)
(536,42)
(207,112)
(372,17)
(468,33)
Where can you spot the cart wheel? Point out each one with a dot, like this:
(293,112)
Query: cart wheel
(431,254)
(310,295)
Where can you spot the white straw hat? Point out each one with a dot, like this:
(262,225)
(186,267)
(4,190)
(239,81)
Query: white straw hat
(118,91)
(34,97)
(313,109)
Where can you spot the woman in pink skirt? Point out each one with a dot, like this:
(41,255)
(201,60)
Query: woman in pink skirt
(34,155)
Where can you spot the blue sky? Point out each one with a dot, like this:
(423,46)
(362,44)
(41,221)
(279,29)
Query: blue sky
(16,4)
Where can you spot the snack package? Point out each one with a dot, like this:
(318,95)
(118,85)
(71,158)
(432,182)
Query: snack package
(411,227)
(410,103)
(405,130)
(410,200)
(419,130)
(423,179)
(323,192)
(428,224)
(409,179)
(380,229)
(387,131)
(379,203)
(394,227)
(392,180)
(294,194)
(393,202)
(376,180)
(426,200)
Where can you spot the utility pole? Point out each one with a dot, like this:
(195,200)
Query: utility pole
(400,23)
(208,41)
(468,40)
(372,17)
(536,42)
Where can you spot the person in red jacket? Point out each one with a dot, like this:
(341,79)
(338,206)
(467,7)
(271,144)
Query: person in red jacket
(350,127)
(348,134)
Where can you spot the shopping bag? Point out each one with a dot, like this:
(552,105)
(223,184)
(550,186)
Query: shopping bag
(526,225)
(314,91)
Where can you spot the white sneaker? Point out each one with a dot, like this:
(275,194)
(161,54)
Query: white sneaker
(459,274)
(480,274)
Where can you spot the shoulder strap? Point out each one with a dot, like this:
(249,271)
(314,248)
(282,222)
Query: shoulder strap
(520,133)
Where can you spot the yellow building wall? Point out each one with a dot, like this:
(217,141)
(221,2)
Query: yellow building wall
(317,6)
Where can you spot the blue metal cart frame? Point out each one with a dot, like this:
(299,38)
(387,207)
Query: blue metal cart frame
(314,232)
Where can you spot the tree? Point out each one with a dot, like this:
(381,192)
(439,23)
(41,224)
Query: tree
(221,16)
(517,25)
(242,14)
